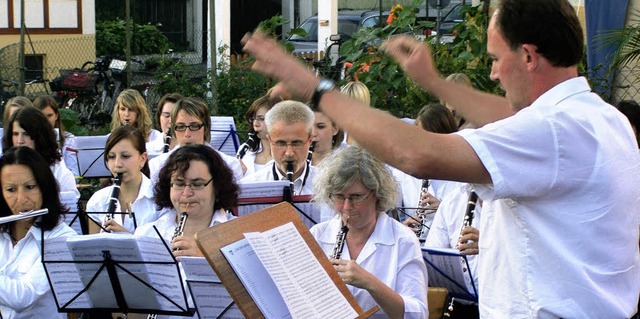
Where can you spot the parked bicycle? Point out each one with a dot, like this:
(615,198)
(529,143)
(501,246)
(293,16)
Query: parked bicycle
(92,89)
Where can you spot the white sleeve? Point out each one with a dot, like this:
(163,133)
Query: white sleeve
(66,180)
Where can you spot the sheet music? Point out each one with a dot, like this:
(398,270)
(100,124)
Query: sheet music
(305,286)
(255,279)
(63,277)
(448,261)
(73,220)
(210,296)
(131,255)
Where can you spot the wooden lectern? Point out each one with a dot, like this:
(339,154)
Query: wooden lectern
(211,240)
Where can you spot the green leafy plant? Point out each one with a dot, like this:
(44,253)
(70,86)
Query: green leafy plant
(146,39)
(390,88)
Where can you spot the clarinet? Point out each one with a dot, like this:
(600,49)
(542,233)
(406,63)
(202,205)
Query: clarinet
(290,175)
(466,222)
(113,200)
(179,231)
(471,210)
(340,241)
(310,154)
(167,142)
(126,122)
(421,213)
(250,143)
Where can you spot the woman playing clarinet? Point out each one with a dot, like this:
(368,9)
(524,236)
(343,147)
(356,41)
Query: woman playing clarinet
(125,156)
(381,258)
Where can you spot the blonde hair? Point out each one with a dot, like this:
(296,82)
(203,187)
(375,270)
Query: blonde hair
(358,91)
(460,78)
(17,102)
(132,99)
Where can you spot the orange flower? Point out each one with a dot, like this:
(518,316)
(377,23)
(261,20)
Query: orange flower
(394,13)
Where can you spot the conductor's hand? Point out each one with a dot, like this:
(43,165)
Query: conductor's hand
(413,56)
(469,241)
(274,61)
(352,274)
(185,246)
(113,227)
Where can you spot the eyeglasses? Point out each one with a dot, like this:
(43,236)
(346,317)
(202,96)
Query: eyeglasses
(282,144)
(355,199)
(192,127)
(196,185)
(256,119)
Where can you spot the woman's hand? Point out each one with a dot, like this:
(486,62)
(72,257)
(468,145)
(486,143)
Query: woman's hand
(469,241)
(186,246)
(351,273)
(113,227)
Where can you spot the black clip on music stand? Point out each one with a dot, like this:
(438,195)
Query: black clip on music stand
(111,266)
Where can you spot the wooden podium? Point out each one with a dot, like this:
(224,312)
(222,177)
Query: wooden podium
(211,240)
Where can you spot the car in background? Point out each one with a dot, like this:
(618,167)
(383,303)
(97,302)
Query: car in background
(349,22)
(453,18)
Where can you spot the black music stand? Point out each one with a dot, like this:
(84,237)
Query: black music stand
(445,269)
(259,195)
(114,279)
(224,136)
(90,156)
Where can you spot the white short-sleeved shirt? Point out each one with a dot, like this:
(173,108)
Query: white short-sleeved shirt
(143,207)
(24,288)
(447,224)
(66,180)
(156,164)
(392,254)
(563,242)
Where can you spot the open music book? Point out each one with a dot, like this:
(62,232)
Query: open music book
(448,268)
(283,276)
(114,271)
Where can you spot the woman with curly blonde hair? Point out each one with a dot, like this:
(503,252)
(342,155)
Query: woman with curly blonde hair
(131,109)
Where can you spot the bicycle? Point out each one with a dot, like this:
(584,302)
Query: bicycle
(92,89)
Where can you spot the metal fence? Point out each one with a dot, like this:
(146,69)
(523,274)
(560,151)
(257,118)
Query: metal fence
(47,60)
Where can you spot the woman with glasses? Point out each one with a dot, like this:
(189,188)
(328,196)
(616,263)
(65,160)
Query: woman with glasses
(196,181)
(260,154)
(125,154)
(381,261)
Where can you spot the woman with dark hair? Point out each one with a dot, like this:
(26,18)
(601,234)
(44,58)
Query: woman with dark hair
(27,184)
(196,181)
(27,126)
(49,107)
(163,122)
(258,156)
(125,153)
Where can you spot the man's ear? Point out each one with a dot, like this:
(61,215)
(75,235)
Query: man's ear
(532,56)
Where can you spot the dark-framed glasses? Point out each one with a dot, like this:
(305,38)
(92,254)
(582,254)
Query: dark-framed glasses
(355,199)
(192,127)
(195,185)
(257,119)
